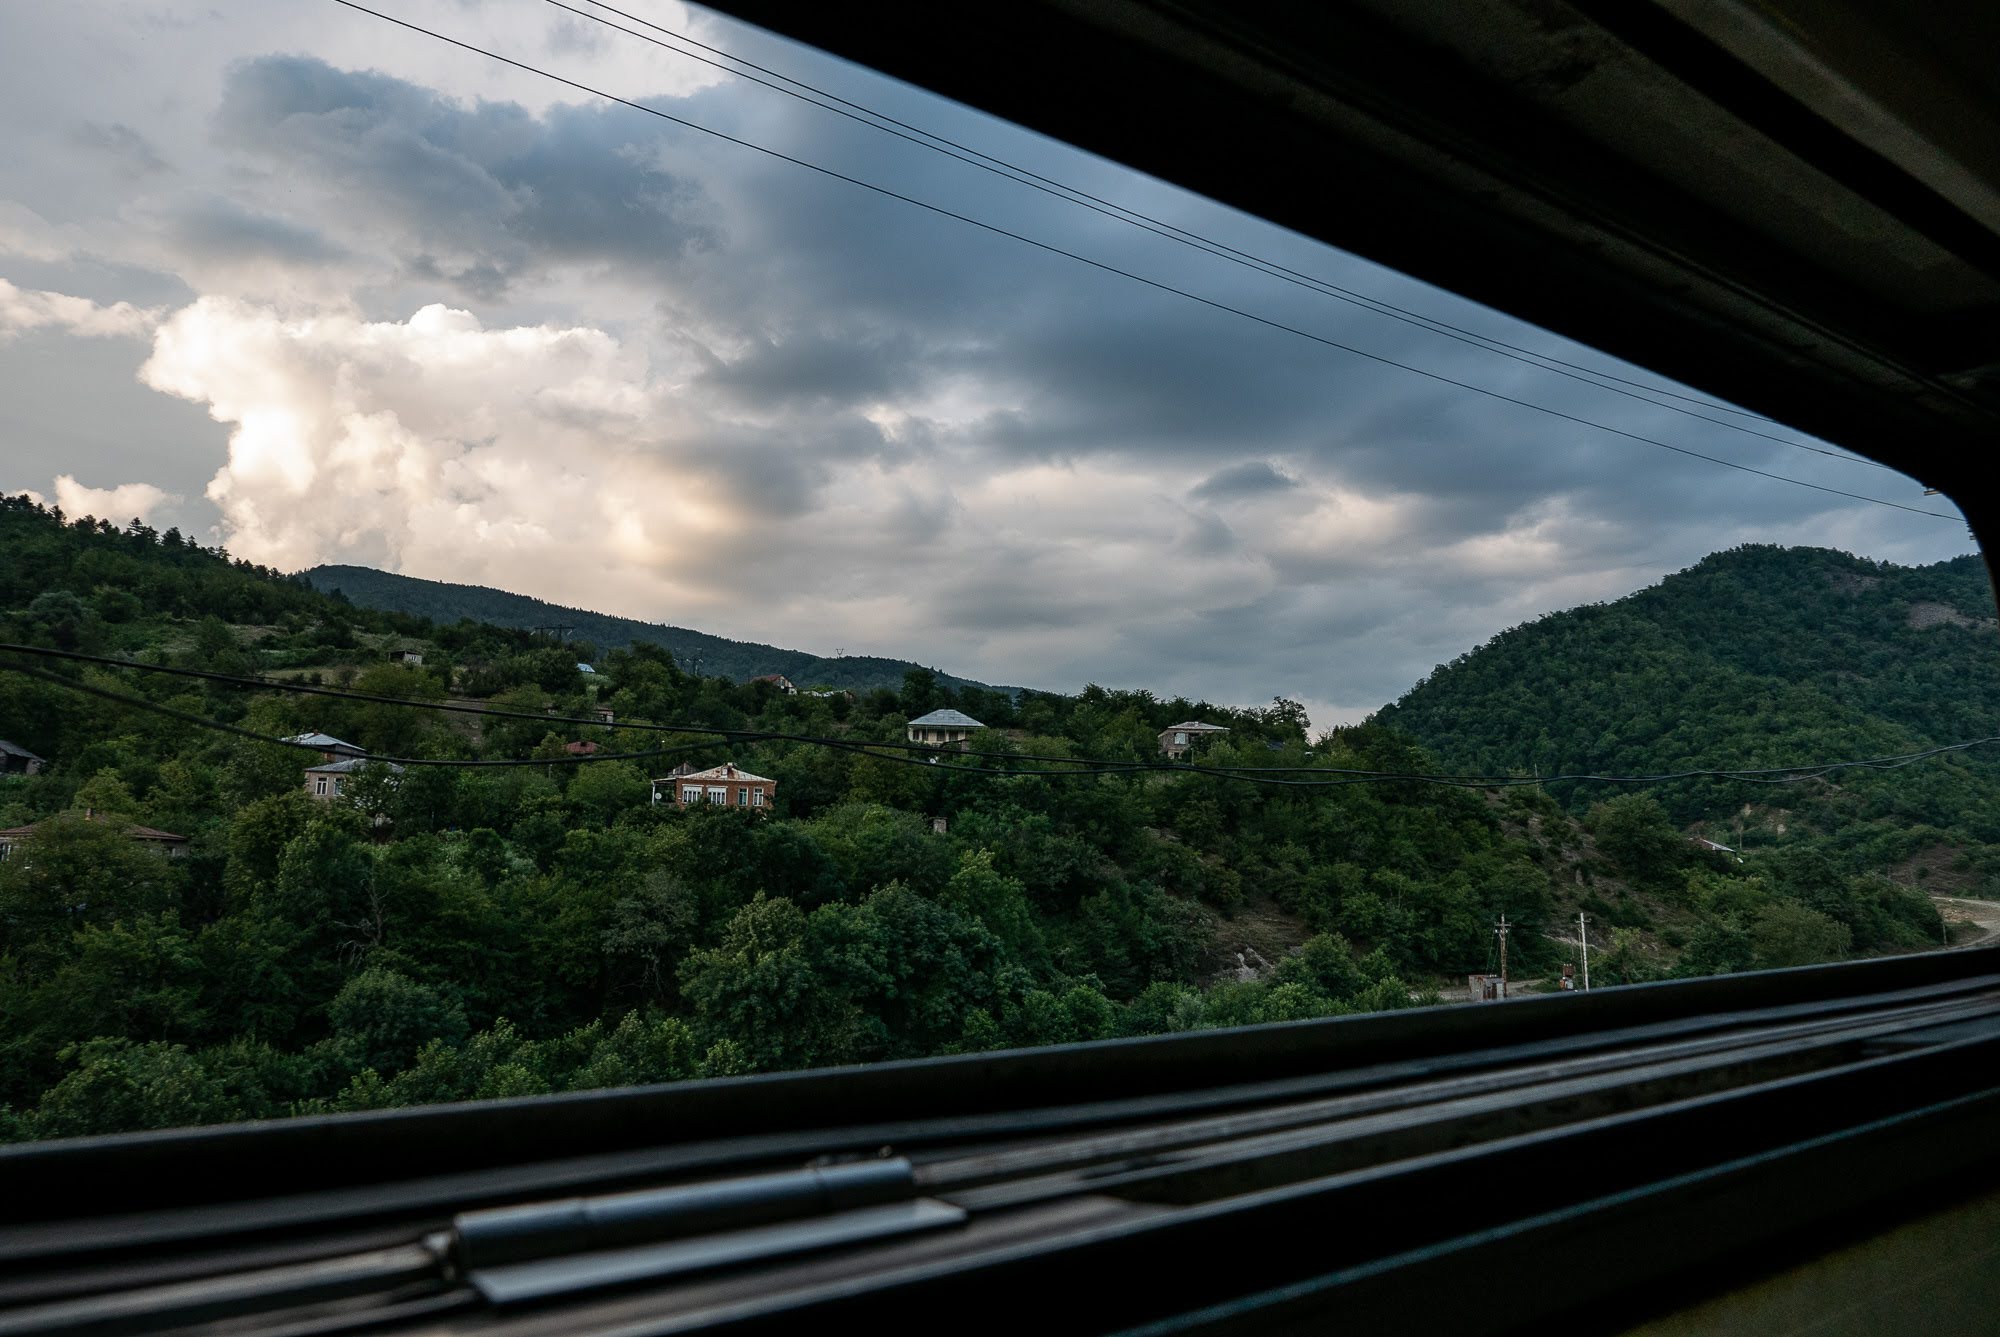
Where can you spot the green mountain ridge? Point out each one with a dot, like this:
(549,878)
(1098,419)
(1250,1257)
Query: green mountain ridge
(1756,657)
(444,602)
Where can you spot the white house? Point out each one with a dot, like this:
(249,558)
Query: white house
(943,728)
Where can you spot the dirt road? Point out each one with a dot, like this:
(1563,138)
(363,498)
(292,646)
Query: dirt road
(1984,916)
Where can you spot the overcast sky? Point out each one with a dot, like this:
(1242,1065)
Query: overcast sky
(325,290)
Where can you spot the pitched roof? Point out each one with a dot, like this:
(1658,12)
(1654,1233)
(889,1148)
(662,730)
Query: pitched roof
(580,749)
(947,719)
(348,765)
(1196,726)
(327,743)
(132,829)
(15,750)
(726,771)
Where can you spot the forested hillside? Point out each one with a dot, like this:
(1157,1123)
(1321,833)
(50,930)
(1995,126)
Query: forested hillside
(517,919)
(700,652)
(1756,657)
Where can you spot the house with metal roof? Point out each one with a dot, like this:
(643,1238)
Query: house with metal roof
(330,779)
(943,728)
(1176,741)
(17,760)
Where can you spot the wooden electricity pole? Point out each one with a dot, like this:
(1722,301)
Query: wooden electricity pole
(1501,928)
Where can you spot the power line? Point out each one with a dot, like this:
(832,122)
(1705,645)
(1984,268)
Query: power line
(1108,268)
(936,143)
(900,752)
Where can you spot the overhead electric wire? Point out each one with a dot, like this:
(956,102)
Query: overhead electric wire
(1108,268)
(940,144)
(935,757)
(930,139)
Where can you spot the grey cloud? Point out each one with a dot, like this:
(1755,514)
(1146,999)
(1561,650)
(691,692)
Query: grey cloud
(1252,478)
(1209,536)
(573,37)
(809,367)
(483,281)
(217,229)
(123,144)
(511,191)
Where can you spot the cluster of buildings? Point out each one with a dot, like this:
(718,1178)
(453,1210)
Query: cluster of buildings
(954,728)
(727,785)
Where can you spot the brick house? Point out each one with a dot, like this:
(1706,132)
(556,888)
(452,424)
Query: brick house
(727,785)
(1176,741)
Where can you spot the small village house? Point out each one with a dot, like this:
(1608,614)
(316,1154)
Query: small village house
(1176,741)
(17,760)
(164,843)
(727,785)
(581,749)
(331,779)
(779,681)
(943,728)
(339,762)
(414,658)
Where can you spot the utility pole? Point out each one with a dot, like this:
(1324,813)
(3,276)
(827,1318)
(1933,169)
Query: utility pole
(1501,928)
(1583,930)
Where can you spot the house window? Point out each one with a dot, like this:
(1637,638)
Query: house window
(718,794)
(1180,740)
(756,799)
(319,784)
(339,783)
(742,797)
(690,793)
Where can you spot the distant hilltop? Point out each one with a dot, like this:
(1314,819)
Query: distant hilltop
(696,651)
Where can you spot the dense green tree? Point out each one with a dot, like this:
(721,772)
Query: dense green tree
(381,1019)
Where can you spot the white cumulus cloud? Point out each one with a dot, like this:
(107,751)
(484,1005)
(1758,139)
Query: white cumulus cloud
(538,456)
(26,309)
(126,501)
